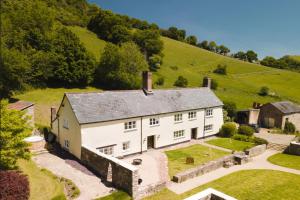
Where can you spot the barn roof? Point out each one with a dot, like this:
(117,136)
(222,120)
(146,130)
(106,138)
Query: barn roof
(20,105)
(287,107)
(114,105)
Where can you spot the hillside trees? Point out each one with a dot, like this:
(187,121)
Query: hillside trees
(174,33)
(14,127)
(121,67)
(191,40)
(249,56)
(285,62)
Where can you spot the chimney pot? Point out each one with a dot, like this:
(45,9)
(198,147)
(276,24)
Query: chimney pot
(147,82)
(206,82)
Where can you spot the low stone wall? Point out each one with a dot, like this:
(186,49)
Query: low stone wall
(203,169)
(294,148)
(257,150)
(210,194)
(121,174)
(151,189)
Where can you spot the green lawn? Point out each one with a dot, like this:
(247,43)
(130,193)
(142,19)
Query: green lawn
(116,196)
(286,160)
(44,99)
(232,144)
(296,58)
(244,185)
(201,154)
(43,184)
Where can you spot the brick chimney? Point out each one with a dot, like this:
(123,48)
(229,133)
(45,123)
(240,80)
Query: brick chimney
(147,82)
(53,113)
(206,82)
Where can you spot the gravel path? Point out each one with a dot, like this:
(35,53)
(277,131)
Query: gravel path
(90,185)
(259,162)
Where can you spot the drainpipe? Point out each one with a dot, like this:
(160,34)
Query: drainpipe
(141,135)
(204,124)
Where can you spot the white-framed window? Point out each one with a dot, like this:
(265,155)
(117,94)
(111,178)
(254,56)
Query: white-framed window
(66,123)
(66,144)
(208,112)
(109,150)
(130,125)
(208,127)
(178,134)
(193,115)
(154,121)
(126,145)
(178,117)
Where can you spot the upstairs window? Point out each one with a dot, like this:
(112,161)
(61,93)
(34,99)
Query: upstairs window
(193,115)
(178,117)
(178,134)
(208,127)
(107,150)
(66,124)
(154,121)
(130,125)
(208,112)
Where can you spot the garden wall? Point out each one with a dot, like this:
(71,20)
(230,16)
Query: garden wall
(294,148)
(151,189)
(122,175)
(257,150)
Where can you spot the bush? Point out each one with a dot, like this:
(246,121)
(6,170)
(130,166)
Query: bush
(231,108)
(14,185)
(214,84)
(221,69)
(289,127)
(264,91)
(240,137)
(160,81)
(181,82)
(228,130)
(259,141)
(246,130)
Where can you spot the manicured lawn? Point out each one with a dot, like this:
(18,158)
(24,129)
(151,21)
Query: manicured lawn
(286,160)
(229,143)
(247,185)
(201,155)
(43,184)
(116,195)
(45,98)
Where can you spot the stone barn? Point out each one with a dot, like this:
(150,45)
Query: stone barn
(274,115)
(25,106)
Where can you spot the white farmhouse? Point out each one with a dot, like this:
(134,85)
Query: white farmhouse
(121,123)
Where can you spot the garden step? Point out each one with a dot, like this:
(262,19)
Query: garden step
(278,147)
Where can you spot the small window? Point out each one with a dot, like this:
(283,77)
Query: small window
(178,134)
(208,127)
(178,117)
(154,121)
(107,150)
(193,115)
(66,145)
(130,125)
(209,112)
(126,145)
(66,123)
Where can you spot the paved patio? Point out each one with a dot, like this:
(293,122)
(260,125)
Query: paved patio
(275,138)
(89,184)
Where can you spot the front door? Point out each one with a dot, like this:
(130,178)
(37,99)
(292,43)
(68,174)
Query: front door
(194,133)
(150,142)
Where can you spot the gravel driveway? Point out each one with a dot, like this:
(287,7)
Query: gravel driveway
(90,185)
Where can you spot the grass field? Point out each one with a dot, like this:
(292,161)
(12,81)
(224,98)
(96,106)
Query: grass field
(43,184)
(241,85)
(116,196)
(229,143)
(201,154)
(44,99)
(296,58)
(286,160)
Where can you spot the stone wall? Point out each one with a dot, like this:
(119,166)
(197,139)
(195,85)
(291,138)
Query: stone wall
(151,189)
(121,174)
(257,150)
(202,169)
(294,148)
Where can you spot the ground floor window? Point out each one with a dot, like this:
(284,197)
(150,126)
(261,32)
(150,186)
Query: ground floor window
(126,145)
(178,134)
(107,150)
(66,144)
(208,127)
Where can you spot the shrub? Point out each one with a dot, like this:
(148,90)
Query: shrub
(181,82)
(289,127)
(160,81)
(231,108)
(264,91)
(228,130)
(14,185)
(259,141)
(214,84)
(246,130)
(240,137)
(221,69)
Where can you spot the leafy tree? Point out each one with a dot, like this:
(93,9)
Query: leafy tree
(154,62)
(251,56)
(269,61)
(231,108)
(121,67)
(221,69)
(14,127)
(174,33)
(181,82)
(240,55)
(120,34)
(191,40)
(204,45)
(264,91)
(212,46)
(223,50)
(228,130)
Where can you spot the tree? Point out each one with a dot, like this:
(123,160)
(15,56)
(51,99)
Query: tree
(289,127)
(221,69)
(212,46)
(14,127)
(154,62)
(246,130)
(228,130)
(264,91)
(223,50)
(120,34)
(174,33)
(231,108)
(240,55)
(269,61)
(191,40)
(204,45)
(121,67)
(181,82)
(251,56)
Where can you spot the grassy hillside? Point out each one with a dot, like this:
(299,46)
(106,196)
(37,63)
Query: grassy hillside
(240,85)
(296,58)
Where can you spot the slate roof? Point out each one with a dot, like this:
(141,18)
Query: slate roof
(20,105)
(113,105)
(287,107)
